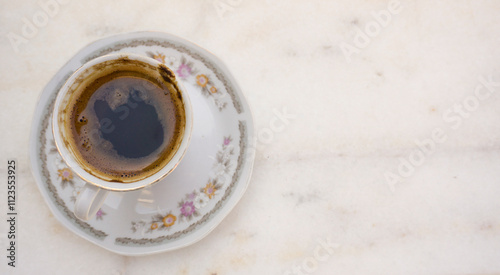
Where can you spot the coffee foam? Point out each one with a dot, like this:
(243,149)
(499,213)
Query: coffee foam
(121,100)
(97,154)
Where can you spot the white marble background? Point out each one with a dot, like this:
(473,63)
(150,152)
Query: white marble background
(323,176)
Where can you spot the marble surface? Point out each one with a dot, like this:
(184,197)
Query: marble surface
(387,163)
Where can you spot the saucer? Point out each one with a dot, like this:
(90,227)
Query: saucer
(187,205)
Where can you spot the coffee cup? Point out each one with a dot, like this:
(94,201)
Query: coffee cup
(121,122)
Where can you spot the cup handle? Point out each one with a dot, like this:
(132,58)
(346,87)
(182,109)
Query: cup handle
(89,201)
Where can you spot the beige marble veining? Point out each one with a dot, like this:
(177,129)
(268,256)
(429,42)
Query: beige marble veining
(322,178)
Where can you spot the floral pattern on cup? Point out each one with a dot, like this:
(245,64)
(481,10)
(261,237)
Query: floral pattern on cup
(190,207)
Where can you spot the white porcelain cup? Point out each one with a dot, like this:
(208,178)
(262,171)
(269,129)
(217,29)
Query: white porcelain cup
(94,193)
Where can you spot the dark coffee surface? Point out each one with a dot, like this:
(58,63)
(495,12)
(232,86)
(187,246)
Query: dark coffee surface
(124,124)
(136,133)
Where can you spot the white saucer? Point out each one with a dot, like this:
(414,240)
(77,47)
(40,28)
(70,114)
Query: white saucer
(183,208)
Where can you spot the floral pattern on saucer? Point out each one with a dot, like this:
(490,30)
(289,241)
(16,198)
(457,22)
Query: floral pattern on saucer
(68,179)
(190,207)
(192,214)
(58,179)
(186,70)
